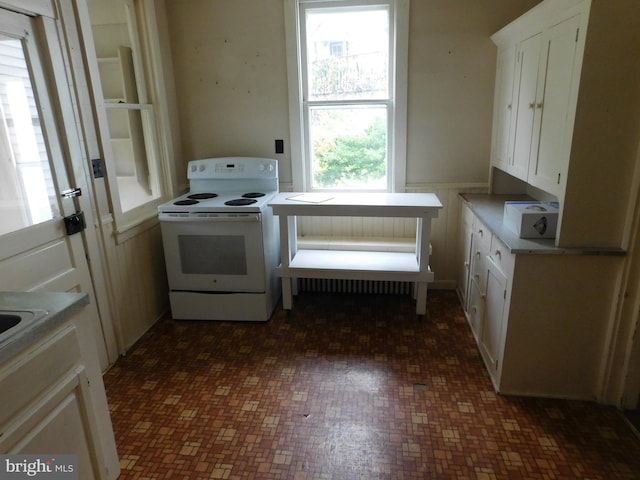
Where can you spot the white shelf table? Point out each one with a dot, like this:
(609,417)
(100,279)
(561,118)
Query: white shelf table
(359,264)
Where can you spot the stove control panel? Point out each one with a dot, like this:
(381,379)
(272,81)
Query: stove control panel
(229,167)
(232,168)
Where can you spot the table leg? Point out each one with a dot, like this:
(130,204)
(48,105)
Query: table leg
(287,299)
(421,298)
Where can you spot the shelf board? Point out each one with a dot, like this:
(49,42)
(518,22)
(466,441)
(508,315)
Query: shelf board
(355,265)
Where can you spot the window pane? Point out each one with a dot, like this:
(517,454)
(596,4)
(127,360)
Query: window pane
(27,193)
(349,147)
(347,53)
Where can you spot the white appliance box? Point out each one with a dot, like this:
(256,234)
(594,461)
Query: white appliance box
(532,219)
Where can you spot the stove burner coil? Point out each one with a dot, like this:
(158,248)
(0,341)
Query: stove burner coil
(186,202)
(240,202)
(253,195)
(202,196)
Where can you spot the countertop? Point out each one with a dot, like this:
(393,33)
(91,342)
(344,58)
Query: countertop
(489,208)
(59,307)
(356,204)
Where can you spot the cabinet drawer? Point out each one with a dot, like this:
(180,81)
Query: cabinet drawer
(481,237)
(501,256)
(23,380)
(467,215)
(481,245)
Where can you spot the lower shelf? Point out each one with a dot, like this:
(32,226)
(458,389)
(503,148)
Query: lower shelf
(355,265)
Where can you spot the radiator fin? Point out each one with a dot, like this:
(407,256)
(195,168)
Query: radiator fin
(378,287)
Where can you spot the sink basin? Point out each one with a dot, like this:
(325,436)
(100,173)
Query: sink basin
(13,320)
(8,320)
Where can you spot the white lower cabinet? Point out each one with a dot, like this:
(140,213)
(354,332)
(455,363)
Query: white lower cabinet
(464,251)
(54,403)
(475,309)
(493,317)
(539,319)
(487,287)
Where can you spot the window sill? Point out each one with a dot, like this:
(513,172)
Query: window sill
(125,232)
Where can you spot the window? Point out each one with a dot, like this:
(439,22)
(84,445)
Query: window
(133,155)
(351,113)
(27,191)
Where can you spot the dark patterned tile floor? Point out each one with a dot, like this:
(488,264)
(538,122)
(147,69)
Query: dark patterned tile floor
(346,387)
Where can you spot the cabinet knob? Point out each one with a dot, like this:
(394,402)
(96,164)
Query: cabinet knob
(539,105)
(498,254)
(532,105)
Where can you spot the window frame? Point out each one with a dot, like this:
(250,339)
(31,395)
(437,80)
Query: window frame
(397,103)
(143,31)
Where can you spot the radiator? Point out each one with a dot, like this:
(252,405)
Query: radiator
(378,287)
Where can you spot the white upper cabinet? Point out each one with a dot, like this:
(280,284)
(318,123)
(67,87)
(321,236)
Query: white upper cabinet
(521,131)
(554,104)
(534,101)
(501,153)
(566,114)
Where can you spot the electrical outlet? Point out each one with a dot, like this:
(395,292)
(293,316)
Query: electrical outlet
(279,146)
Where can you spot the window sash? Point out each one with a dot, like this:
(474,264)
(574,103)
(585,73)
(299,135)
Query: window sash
(308,8)
(298,104)
(318,105)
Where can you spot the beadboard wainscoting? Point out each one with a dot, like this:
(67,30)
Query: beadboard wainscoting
(396,234)
(138,279)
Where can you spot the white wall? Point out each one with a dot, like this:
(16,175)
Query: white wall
(451,81)
(231,77)
(231,83)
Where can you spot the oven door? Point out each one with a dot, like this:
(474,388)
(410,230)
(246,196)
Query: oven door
(214,252)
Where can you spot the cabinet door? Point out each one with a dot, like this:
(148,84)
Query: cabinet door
(495,300)
(553,105)
(525,93)
(465,252)
(476,309)
(62,413)
(505,73)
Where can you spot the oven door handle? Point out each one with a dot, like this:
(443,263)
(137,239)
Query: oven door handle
(210,217)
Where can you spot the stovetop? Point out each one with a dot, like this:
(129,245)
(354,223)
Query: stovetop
(198,202)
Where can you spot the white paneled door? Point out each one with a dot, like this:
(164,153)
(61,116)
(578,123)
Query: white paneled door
(37,146)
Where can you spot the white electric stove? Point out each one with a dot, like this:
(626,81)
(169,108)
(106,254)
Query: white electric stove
(221,241)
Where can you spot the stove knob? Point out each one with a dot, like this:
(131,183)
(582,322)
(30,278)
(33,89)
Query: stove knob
(201,168)
(194,168)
